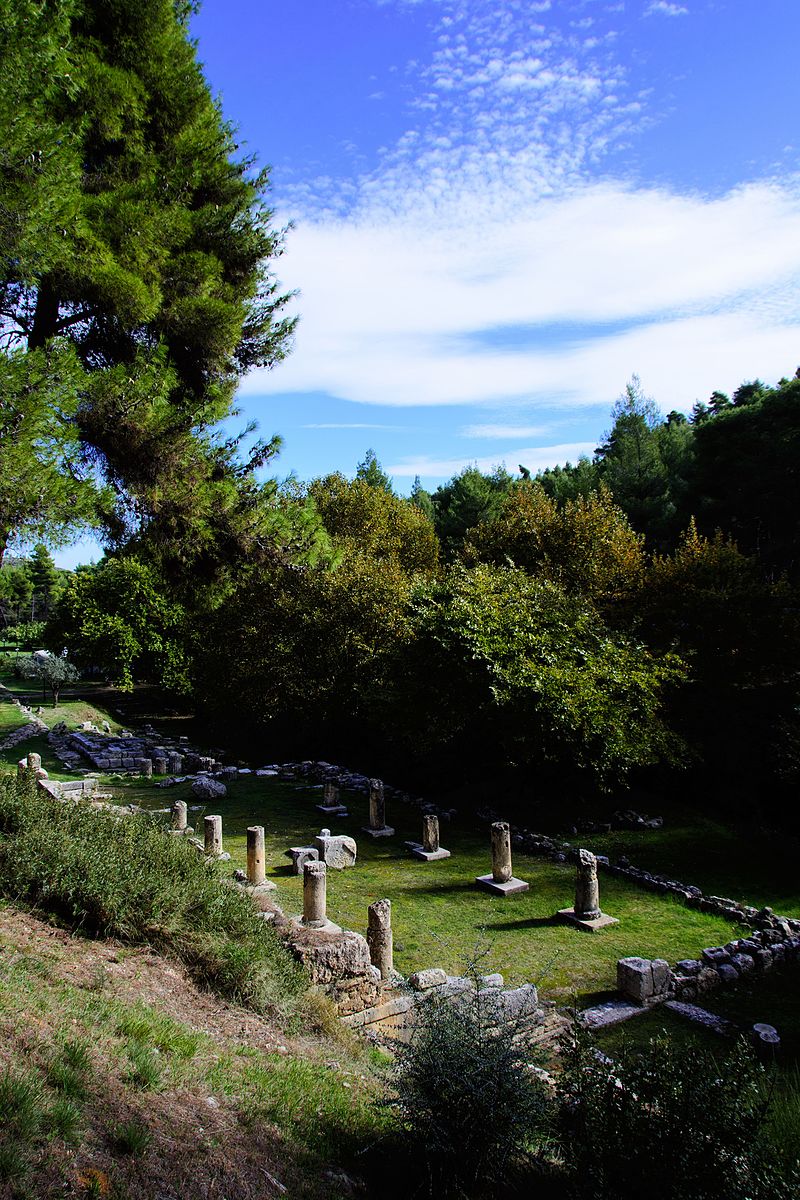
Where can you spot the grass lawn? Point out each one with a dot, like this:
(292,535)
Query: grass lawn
(440,918)
(746,864)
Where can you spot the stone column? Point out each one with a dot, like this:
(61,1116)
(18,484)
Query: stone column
(587,891)
(213,835)
(175,763)
(501,852)
(379,936)
(256,872)
(314,895)
(145,767)
(179,816)
(159,765)
(34,761)
(330,793)
(377,805)
(430,833)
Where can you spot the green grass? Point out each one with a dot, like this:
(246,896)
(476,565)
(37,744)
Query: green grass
(438,915)
(319,1110)
(122,877)
(747,864)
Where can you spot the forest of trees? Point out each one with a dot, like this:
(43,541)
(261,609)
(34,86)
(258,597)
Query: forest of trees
(633,612)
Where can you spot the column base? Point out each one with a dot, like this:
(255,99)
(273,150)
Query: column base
(333,810)
(386,831)
(509,888)
(325,926)
(590,924)
(419,851)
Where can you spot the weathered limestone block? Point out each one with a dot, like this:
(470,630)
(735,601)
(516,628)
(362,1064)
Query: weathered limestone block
(208,789)
(379,937)
(175,763)
(421,981)
(337,852)
(144,766)
(300,855)
(644,981)
(160,765)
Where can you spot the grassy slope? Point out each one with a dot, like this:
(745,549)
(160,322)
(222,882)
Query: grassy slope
(170,1082)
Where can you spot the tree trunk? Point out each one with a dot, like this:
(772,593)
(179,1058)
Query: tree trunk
(45,318)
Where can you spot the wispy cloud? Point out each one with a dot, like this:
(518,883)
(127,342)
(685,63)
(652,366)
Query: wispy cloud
(535,458)
(504,432)
(663,8)
(354,425)
(700,290)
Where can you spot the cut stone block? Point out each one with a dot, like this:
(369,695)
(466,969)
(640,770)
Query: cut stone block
(419,851)
(300,855)
(590,924)
(507,888)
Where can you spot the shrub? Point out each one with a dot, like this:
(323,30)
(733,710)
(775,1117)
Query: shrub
(469,1102)
(122,876)
(677,1123)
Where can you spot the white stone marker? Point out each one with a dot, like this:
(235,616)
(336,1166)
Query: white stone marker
(212,827)
(256,862)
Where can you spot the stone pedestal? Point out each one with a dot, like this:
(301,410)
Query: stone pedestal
(300,855)
(212,829)
(144,766)
(501,881)
(586,914)
(179,816)
(379,937)
(256,862)
(315,886)
(429,849)
(377,811)
(160,766)
(337,852)
(175,763)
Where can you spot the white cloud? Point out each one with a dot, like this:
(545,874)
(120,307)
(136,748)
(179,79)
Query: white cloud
(535,458)
(504,432)
(663,8)
(401,313)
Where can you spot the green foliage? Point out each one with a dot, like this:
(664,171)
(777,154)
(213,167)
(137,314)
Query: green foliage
(365,519)
(54,670)
(131,1137)
(371,471)
(470,1104)
(22,1103)
(118,619)
(586,546)
(512,665)
(646,463)
(467,499)
(135,287)
(685,1124)
(27,636)
(746,478)
(46,485)
(570,481)
(121,876)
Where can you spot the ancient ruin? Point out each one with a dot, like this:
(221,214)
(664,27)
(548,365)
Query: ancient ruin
(501,881)
(377,811)
(429,849)
(586,912)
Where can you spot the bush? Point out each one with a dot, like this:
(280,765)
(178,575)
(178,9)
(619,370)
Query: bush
(122,876)
(470,1104)
(27,636)
(677,1123)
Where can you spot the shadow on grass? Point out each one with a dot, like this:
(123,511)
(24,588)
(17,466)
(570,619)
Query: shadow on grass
(528,923)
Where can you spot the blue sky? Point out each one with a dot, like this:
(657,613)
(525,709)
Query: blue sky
(501,211)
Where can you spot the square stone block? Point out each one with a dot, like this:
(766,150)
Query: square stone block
(419,851)
(509,888)
(333,810)
(591,924)
(386,831)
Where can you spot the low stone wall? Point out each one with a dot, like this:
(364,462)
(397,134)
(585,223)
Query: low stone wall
(34,726)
